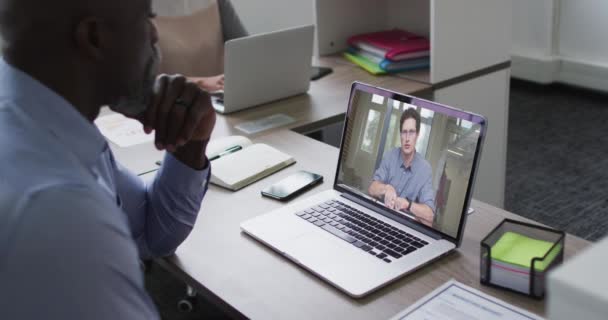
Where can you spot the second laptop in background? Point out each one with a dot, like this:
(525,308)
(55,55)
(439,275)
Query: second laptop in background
(266,67)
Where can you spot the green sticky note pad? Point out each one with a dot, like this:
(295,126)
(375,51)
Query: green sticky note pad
(519,250)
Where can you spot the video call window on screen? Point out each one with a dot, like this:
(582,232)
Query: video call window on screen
(427,163)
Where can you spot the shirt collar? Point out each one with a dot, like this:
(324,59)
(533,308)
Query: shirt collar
(52,112)
(412,164)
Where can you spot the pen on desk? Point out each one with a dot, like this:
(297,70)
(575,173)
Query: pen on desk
(225,152)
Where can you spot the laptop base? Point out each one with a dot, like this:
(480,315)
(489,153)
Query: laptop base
(348,268)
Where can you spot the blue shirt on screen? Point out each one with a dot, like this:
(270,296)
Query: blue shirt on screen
(414,182)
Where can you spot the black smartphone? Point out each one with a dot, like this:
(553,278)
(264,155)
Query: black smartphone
(319,72)
(293,185)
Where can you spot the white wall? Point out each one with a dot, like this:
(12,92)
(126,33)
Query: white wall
(269,15)
(583,45)
(532,27)
(257,15)
(583,28)
(561,41)
(534,42)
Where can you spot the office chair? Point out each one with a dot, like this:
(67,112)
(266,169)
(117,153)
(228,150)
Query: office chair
(192,45)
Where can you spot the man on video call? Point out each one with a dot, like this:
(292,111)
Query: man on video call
(404,178)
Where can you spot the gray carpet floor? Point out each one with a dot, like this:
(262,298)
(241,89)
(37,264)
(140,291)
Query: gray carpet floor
(557,159)
(557,174)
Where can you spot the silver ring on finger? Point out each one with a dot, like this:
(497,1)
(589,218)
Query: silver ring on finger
(181,102)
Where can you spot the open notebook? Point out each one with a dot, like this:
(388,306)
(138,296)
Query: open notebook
(237,162)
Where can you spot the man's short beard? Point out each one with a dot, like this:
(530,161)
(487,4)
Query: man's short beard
(138,99)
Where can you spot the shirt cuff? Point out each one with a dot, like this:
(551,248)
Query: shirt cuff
(182,179)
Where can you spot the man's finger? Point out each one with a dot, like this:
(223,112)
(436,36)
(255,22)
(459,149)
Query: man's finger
(160,86)
(393,199)
(177,116)
(173,91)
(200,109)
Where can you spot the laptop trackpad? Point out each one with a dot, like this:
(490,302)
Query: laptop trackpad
(314,249)
(336,261)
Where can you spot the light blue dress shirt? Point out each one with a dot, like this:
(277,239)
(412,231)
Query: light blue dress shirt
(73,222)
(414,182)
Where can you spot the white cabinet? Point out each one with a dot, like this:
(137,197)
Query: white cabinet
(470,59)
(486,95)
(578,289)
(465,35)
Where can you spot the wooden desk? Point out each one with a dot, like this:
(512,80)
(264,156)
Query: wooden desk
(232,268)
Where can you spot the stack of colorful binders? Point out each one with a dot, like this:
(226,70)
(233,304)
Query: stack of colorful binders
(389,51)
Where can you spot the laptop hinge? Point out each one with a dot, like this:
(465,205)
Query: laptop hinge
(385,212)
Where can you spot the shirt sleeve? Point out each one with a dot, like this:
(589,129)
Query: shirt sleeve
(162,213)
(427,194)
(381,174)
(72,257)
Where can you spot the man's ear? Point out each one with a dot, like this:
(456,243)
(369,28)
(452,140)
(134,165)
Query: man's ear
(91,38)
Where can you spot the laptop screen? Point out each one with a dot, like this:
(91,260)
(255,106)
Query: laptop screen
(411,156)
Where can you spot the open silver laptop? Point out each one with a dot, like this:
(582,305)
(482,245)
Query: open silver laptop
(349,236)
(265,67)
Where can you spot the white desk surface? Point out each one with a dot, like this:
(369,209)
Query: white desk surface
(261,284)
(249,279)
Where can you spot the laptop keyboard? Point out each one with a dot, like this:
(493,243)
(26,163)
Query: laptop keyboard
(365,232)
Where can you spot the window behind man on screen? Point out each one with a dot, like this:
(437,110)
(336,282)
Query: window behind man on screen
(411,159)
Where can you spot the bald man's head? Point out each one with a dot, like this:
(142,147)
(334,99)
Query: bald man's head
(39,18)
(106,47)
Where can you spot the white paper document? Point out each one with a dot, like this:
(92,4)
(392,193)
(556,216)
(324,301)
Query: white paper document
(123,131)
(456,301)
